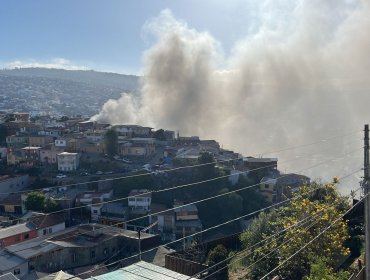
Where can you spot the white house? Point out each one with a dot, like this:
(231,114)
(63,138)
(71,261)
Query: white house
(139,200)
(60,143)
(68,161)
(48,223)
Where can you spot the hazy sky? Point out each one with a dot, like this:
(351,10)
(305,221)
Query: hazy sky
(109,35)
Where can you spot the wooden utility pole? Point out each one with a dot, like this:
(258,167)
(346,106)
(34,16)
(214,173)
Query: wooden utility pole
(366,185)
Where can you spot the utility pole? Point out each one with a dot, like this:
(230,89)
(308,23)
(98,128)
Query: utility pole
(366,185)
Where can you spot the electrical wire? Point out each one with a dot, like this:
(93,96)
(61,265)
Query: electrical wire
(217,226)
(313,239)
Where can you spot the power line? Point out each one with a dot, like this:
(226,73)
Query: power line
(211,228)
(206,199)
(181,167)
(312,240)
(178,187)
(237,255)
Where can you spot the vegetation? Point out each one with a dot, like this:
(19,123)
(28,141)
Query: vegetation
(323,204)
(36,201)
(216,255)
(320,270)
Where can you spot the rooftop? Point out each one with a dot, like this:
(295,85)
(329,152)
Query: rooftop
(8,261)
(8,276)
(142,271)
(43,220)
(16,229)
(140,192)
(252,159)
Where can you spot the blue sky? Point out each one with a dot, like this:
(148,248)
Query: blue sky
(108,35)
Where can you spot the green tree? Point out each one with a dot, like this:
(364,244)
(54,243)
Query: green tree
(216,255)
(111,142)
(207,170)
(51,206)
(320,270)
(317,200)
(35,201)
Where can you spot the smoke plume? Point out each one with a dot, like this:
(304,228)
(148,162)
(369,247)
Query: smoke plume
(298,78)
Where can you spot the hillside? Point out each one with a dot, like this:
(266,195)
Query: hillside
(61,92)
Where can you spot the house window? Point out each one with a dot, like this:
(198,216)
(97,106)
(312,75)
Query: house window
(95,211)
(93,254)
(17,271)
(17,238)
(74,257)
(26,236)
(50,230)
(105,251)
(266,186)
(44,232)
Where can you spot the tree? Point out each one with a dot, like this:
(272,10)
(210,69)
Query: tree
(35,201)
(216,255)
(111,142)
(207,170)
(320,270)
(323,205)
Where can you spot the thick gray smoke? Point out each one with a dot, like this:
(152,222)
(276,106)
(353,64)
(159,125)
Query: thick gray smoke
(299,78)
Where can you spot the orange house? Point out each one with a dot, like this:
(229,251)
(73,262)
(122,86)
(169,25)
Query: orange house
(16,234)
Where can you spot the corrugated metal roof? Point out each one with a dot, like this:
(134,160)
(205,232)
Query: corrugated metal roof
(8,276)
(142,271)
(16,229)
(9,261)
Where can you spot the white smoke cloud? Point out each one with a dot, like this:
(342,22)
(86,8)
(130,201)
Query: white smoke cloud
(297,79)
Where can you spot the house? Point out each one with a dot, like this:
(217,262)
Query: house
(60,143)
(80,246)
(68,161)
(94,136)
(11,263)
(268,189)
(40,141)
(137,148)
(131,131)
(49,154)
(13,204)
(165,221)
(273,187)
(260,163)
(112,213)
(187,221)
(142,271)
(87,198)
(139,200)
(9,184)
(20,117)
(15,141)
(13,157)
(65,198)
(30,155)
(47,224)
(16,234)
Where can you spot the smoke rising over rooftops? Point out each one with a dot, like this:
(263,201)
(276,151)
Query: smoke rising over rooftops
(299,78)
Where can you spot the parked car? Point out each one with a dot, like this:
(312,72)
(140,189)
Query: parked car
(60,176)
(99,172)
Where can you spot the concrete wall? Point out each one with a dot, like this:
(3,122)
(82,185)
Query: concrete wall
(51,229)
